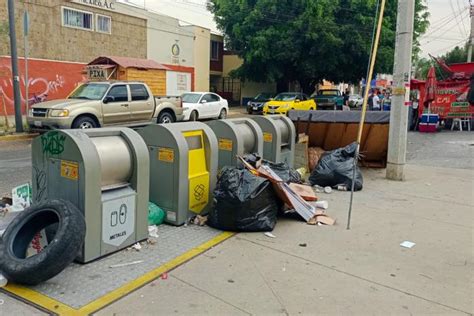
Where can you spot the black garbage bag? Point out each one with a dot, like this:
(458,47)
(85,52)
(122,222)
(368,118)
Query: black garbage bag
(335,168)
(243,202)
(282,169)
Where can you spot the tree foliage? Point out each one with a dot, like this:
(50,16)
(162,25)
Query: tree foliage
(456,55)
(308,40)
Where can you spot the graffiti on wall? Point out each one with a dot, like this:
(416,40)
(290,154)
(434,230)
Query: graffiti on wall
(48,80)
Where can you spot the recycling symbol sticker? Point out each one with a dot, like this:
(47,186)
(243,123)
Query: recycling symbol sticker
(199,192)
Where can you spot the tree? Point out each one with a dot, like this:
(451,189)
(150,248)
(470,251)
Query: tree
(308,40)
(456,55)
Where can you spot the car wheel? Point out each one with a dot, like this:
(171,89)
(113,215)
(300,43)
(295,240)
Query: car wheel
(311,109)
(84,122)
(193,116)
(165,118)
(249,111)
(63,246)
(222,114)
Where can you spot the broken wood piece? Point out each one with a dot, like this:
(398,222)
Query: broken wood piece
(321,218)
(305,191)
(283,190)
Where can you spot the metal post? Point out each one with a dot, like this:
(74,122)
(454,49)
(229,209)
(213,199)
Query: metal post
(16,77)
(26,23)
(397,140)
(372,59)
(471,37)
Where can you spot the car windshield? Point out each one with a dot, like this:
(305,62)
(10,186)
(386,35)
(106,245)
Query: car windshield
(285,97)
(263,97)
(90,91)
(191,97)
(328,92)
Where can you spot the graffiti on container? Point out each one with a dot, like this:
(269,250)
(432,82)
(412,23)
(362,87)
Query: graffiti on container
(39,183)
(53,143)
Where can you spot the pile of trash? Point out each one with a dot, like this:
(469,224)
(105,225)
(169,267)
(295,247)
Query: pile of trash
(250,198)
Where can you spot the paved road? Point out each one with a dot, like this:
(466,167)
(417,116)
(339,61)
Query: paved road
(15,164)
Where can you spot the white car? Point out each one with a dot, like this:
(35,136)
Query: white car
(355,100)
(204,105)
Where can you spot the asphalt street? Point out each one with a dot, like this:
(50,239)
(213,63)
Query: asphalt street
(15,164)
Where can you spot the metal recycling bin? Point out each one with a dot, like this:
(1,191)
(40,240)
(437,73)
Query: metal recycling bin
(278,138)
(105,174)
(236,137)
(183,168)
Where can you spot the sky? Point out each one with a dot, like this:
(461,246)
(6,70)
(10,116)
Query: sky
(449,20)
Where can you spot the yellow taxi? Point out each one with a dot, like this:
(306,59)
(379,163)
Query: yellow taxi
(283,102)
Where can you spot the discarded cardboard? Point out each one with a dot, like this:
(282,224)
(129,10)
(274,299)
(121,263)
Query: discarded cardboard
(283,190)
(305,191)
(322,219)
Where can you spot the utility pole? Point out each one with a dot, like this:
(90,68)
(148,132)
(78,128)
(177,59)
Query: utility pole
(397,140)
(471,37)
(16,77)
(26,27)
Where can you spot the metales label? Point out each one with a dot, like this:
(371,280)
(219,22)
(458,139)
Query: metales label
(118,220)
(69,170)
(267,137)
(166,154)
(225,144)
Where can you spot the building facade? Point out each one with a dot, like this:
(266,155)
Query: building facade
(76,31)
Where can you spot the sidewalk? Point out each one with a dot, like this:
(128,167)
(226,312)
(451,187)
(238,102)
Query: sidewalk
(359,271)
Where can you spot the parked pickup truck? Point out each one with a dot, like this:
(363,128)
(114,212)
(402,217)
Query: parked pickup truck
(97,104)
(329,99)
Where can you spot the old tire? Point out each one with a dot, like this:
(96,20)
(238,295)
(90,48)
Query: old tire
(59,253)
(222,114)
(165,118)
(193,116)
(84,122)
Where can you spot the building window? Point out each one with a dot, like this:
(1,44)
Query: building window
(214,50)
(103,24)
(77,19)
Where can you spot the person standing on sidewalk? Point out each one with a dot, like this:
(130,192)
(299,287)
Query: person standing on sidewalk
(376,101)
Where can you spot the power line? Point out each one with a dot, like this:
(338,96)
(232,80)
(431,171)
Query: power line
(463,26)
(445,31)
(443,22)
(456,17)
(451,46)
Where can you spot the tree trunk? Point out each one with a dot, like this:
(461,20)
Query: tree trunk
(308,85)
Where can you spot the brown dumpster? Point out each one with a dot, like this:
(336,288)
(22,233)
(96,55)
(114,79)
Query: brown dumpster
(334,129)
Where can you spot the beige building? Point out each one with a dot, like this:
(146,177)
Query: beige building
(74,31)
(201,56)
(248,89)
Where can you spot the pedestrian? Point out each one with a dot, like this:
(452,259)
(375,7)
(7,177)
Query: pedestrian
(346,98)
(370,100)
(376,101)
(414,114)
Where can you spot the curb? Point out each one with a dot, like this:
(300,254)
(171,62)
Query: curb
(23,136)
